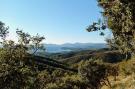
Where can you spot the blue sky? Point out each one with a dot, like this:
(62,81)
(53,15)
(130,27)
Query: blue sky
(60,21)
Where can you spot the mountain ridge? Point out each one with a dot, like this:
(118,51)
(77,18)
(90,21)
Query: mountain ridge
(68,47)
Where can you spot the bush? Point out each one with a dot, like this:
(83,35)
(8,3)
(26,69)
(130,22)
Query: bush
(96,74)
(15,74)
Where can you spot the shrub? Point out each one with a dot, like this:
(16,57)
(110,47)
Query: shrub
(95,74)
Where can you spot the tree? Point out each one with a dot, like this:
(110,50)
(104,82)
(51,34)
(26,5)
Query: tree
(111,43)
(95,74)
(16,69)
(119,16)
(24,38)
(27,41)
(36,43)
(3,30)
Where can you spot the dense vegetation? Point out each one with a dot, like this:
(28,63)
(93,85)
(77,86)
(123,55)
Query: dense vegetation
(20,68)
(118,16)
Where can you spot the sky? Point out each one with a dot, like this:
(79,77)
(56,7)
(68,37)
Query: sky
(60,21)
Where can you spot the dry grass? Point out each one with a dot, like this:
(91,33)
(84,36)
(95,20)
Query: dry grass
(122,82)
(126,78)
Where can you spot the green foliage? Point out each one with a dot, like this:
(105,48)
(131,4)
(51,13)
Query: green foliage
(120,14)
(93,73)
(18,69)
(15,70)
(119,17)
(15,73)
(111,43)
(91,76)
(59,79)
(100,26)
(24,38)
(3,30)
(36,43)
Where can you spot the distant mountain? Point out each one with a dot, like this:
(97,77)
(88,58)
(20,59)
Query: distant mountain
(67,47)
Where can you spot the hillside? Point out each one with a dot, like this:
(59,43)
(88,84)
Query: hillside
(76,56)
(42,62)
(71,70)
(53,44)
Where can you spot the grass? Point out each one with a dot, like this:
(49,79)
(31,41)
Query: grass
(126,78)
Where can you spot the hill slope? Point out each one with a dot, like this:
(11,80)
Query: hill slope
(43,62)
(74,57)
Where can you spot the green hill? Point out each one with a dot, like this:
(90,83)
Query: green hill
(75,57)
